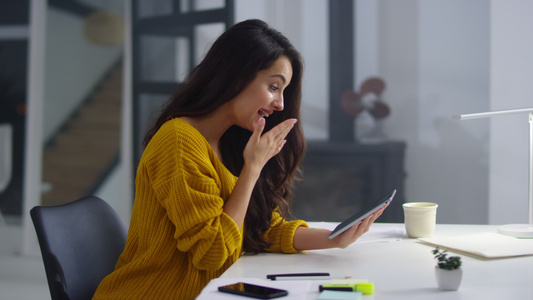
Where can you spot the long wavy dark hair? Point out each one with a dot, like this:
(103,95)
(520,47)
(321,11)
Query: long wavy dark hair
(229,66)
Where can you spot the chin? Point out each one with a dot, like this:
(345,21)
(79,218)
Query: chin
(249,127)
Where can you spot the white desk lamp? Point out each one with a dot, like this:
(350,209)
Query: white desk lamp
(515,230)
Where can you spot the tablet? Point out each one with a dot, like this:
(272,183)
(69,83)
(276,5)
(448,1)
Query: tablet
(367,211)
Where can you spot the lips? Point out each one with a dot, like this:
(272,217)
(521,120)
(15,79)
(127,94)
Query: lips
(264,113)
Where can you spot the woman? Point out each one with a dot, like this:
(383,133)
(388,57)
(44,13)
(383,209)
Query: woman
(236,115)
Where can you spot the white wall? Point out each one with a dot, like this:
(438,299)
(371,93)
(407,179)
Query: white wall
(435,57)
(511,87)
(470,56)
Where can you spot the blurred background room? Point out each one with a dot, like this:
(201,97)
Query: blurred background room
(81,79)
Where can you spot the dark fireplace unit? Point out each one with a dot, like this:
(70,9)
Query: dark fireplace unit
(340,178)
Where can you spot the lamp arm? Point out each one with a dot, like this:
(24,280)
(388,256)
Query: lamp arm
(492,113)
(506,112)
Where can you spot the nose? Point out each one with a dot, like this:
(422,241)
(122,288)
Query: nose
(278,104)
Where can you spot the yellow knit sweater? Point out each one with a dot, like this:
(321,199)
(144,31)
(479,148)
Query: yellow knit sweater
(179,237)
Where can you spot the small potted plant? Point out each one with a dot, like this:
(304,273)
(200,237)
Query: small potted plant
(448,270)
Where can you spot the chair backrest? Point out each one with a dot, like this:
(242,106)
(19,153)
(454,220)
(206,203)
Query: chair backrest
(80,243)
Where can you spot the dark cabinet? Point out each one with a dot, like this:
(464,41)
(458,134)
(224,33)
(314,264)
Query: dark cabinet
(339,178)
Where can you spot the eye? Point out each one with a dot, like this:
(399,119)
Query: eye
(274,88)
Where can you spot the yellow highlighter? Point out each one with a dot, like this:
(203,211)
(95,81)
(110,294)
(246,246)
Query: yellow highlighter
(366,288)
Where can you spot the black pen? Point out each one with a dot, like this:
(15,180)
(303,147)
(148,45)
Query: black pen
(298,276)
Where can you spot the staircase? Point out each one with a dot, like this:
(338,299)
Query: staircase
(82,154)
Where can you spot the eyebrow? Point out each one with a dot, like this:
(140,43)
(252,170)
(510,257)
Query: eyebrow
(280,76)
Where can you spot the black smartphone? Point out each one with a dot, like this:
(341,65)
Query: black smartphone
(253,291)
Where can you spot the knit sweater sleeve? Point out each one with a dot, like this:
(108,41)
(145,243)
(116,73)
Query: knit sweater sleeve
(281,234)
(192,189)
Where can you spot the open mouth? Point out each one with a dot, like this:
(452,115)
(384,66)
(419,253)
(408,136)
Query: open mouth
(263,113)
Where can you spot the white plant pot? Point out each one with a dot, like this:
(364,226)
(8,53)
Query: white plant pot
(448,280)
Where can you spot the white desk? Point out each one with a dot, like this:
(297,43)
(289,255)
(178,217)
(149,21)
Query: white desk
(403,269)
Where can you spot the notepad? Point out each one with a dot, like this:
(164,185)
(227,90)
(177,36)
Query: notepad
(488,244)
(336,295)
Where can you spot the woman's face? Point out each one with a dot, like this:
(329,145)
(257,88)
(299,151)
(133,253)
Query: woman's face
(263,96)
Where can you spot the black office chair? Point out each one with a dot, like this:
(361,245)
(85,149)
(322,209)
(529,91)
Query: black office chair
(80,243)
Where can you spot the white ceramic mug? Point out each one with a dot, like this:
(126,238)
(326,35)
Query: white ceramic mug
(420,218)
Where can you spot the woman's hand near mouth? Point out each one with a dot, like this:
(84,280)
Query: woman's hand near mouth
(261,148)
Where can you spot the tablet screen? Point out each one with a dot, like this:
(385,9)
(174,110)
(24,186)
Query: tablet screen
(367,211)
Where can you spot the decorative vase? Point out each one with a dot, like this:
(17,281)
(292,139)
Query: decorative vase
(448,280)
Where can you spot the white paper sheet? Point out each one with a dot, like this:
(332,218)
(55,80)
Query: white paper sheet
(489,244)
(298,289)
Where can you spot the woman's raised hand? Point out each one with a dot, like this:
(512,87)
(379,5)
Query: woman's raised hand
(261,148)
(258,150)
